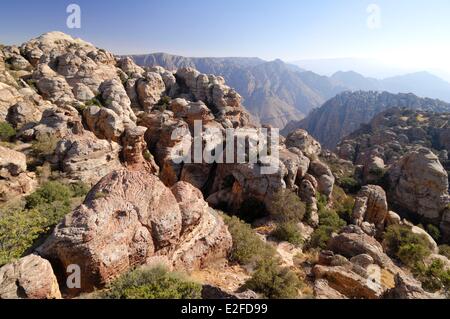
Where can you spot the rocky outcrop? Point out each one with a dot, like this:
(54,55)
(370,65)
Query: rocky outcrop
(419,184)
(105,123)
(150,89)
(8,97)
(352,241)
(345,113)
(27,112)
(348,283)
(15,181)
(30,277)
(128,218)
(322,290)
(222,100)
(407,288)
(11,162)
(324,176)
(85,158)
(371,206)
(115,98)
(392,134)
(305,143)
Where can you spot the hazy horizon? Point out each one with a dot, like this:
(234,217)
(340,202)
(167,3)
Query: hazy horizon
(409,35)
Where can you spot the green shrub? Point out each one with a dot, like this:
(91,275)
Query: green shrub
(412,253)
(433,277)
(163,103)
(320,237)
(445,250)
(247,246)
(45,145)
(322,200)
(18,230)
(343,204)
(48,193)
(329,223)
(7,132)
(251,210)
(434,232)
(329,217)
(21,226)
(79,189)
(408,247)
(273,281)
(349,184)
(97,101)
(289,232)
(148,156)
(377,171)
(152,283)
(287,207)
(308,213)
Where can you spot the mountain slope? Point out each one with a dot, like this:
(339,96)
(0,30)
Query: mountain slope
(274,92)
(277,93)
(344,113)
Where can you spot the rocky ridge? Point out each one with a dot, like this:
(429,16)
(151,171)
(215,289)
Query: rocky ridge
(346,112)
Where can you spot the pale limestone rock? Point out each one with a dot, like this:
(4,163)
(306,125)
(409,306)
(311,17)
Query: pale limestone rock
(11,162)
(30,277)
(371,206)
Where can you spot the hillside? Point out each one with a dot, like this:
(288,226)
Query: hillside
(277,93)
(274,92)
(345,113)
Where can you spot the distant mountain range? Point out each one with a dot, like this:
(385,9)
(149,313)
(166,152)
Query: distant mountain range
(345,113)
(276,92)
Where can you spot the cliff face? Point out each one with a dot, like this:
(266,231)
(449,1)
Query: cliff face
(345,113)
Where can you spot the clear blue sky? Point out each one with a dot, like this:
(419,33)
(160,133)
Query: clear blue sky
(286,29)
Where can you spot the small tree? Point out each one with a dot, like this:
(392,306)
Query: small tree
(152,283)
(287,207)
(288,232)
(408,247)
(273,281)
(7,132)
(434,232)
(247,247)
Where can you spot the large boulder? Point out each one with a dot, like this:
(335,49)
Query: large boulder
(87,158)
(371,206)
(324,176)
(115,98)
(129,218)
(150,89)
(53,86)
(419,184)
(105,123)
(28,111)
(8,97)
(347,282)
(304,142)
(30,277)
(352,241)
(12,163)
(407,287)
